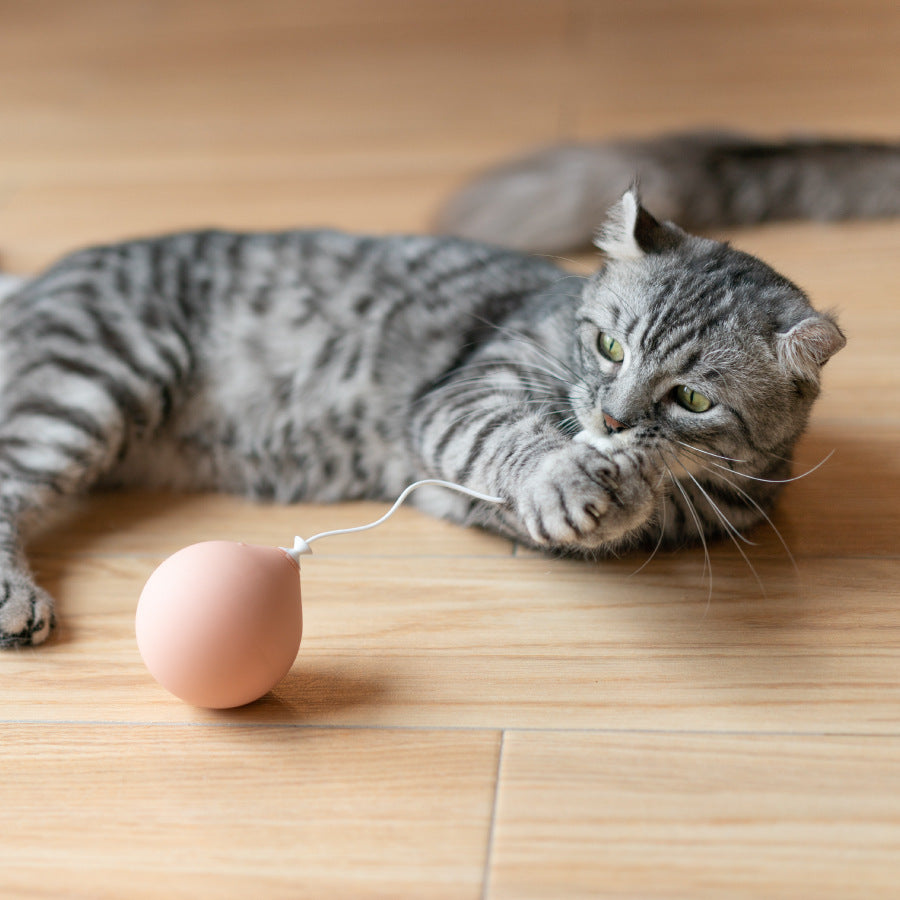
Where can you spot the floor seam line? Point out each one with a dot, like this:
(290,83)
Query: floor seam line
(457,729)
(492,828)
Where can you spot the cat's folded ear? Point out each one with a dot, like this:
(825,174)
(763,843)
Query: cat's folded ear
(630,232)
(805,347)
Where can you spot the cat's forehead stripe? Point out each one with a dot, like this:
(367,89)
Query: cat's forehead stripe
(676,326)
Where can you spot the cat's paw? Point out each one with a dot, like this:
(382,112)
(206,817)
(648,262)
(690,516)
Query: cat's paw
(579,496)
(26,611)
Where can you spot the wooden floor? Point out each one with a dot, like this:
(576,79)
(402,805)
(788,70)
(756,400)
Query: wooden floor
(464,720)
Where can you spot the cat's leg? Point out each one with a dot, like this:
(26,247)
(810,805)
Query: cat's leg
(9,284)
(560,492)
(49,447)
(71,404)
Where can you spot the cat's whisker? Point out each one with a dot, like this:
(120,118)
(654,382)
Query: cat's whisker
(472,388)
(555,257)
(485,386)
(468,414)
(747,498)
(532,387)
(548,357)
(805,474)
(526,340)
(659,540)
(717,510)
(492,365)
(570,425)
(707,562)
(696,449)
(536,387)
(550,411)
(730,529)
(543,369)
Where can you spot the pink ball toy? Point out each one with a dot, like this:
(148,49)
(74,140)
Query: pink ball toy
(219,624)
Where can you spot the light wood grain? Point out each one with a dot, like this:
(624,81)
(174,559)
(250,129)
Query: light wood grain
(234,812)
(699,816)
(514,642)
(466,718)
(763,64)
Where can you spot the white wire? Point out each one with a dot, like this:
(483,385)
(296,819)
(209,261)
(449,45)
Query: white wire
(302,547)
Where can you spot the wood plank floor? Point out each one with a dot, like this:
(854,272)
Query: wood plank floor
(465,719)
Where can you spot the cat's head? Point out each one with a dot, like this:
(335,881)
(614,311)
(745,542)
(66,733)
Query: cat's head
(693,342)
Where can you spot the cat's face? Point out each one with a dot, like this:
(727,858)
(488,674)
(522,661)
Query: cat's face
(685,341)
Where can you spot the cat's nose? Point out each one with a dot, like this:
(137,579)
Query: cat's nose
(614,425)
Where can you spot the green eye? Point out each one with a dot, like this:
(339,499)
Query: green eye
(610,348)
(691,399)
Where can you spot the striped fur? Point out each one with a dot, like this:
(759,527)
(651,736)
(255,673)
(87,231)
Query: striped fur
(322,366)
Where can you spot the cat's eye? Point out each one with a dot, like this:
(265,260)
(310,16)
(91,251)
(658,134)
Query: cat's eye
(692,400)
(610,347)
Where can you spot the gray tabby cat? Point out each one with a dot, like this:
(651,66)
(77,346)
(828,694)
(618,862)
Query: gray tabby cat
(657,401)
(552,199)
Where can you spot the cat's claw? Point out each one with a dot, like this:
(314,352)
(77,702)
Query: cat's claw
(26,612)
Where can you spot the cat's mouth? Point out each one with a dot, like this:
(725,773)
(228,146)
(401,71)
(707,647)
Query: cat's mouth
(599,441)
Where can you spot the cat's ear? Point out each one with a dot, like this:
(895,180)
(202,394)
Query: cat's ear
(808,345)
(630,232)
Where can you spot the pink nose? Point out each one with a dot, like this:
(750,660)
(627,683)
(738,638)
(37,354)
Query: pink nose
(612,424)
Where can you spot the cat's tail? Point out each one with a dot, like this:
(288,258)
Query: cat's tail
(553,199)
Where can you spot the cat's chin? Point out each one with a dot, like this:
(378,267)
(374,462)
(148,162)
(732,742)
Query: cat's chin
(601,442)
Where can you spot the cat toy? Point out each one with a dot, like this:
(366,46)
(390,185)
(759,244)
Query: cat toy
(219,623)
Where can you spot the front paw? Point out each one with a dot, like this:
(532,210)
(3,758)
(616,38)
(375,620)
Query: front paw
(581,497)
(26,611)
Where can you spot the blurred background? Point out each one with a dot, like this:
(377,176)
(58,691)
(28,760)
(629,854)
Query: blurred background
(121,117)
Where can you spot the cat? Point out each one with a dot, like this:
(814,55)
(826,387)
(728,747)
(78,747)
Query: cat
(655,401)
(551,200)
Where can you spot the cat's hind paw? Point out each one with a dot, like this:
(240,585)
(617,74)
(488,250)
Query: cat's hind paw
(26,612)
